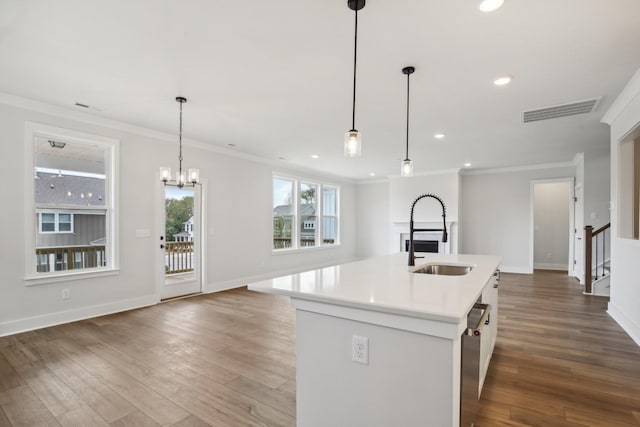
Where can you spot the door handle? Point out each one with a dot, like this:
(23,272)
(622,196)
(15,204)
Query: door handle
(484,320)
(161,246)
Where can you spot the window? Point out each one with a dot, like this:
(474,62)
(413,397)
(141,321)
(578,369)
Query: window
(305,214)
(308,207)
(52,222)
(329,215)
(283,213)
(72,203)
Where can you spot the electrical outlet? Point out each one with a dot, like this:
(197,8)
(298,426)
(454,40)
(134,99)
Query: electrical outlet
(360,349)
(66,294)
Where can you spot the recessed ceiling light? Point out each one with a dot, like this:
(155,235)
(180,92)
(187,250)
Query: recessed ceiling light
(503,80)
(314,156)
(490,5)
(372,174)
(466,165)
(439,135)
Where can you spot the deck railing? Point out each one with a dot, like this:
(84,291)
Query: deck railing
(62,258)
(178,257)
(285,242)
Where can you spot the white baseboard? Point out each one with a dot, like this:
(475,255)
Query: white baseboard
(43,321)
(515,269)
(547,266)
(625,323)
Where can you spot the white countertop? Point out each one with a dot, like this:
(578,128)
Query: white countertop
(386,284)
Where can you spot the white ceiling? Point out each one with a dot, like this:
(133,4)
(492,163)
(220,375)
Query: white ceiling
(274,77)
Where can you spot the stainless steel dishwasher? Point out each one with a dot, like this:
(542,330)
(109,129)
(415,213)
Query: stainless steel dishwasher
(470,362)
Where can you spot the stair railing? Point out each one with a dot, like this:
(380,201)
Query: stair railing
(593,241)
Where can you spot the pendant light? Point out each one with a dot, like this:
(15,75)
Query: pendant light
(353,138)
(406,168)
(182,179)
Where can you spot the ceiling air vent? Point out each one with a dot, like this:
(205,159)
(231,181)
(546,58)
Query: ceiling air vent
(564,110)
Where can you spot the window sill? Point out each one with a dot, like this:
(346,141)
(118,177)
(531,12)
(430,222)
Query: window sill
(45,278)
(305,249)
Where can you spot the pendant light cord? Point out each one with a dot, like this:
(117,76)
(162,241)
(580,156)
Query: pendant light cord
(407,152)
(355,61)
(180,140)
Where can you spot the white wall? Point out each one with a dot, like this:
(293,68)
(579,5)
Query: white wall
(495,213)
(551,202)
(238,217)
(624,118)
(597,183)
(384,207)
(373,224)
(403,191)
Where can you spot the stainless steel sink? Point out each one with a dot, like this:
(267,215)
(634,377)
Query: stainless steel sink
(444,270)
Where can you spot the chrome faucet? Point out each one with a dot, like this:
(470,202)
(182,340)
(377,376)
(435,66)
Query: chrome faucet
(412,256)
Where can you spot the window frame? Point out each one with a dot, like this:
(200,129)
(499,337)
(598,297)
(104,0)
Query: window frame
(56,221)
(297,222)
(316,230)
(336,215)
(112,155)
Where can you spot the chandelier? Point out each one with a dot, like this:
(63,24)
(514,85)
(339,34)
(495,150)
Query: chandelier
(181,179)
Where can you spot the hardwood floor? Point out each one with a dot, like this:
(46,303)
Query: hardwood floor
(560,360)
(228,359)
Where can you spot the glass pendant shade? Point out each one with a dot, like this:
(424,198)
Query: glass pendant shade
(181,179)
(194,175)
(406,168)
(353,144)
(165,174)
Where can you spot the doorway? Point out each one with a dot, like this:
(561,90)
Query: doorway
(181,234)
(553,225)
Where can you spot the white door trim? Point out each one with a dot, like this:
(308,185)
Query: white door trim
(199,238)
(572,213)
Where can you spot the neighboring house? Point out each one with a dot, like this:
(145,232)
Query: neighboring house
(307,220)
(186,235)
(68,226)
(66,223)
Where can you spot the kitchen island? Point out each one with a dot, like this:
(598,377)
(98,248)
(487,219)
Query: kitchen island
(378,344)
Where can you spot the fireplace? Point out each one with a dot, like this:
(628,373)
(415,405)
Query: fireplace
(400,233)
(423,246)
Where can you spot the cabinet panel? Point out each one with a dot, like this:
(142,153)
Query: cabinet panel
(488,341)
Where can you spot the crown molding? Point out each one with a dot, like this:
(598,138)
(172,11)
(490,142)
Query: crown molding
(389,178)
(429,173)
(626,96)
(520,168)
(93,119)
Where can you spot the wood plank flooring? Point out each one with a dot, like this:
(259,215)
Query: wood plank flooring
(228,359)
(560,360)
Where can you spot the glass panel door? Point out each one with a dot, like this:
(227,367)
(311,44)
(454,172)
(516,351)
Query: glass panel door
(182,240)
